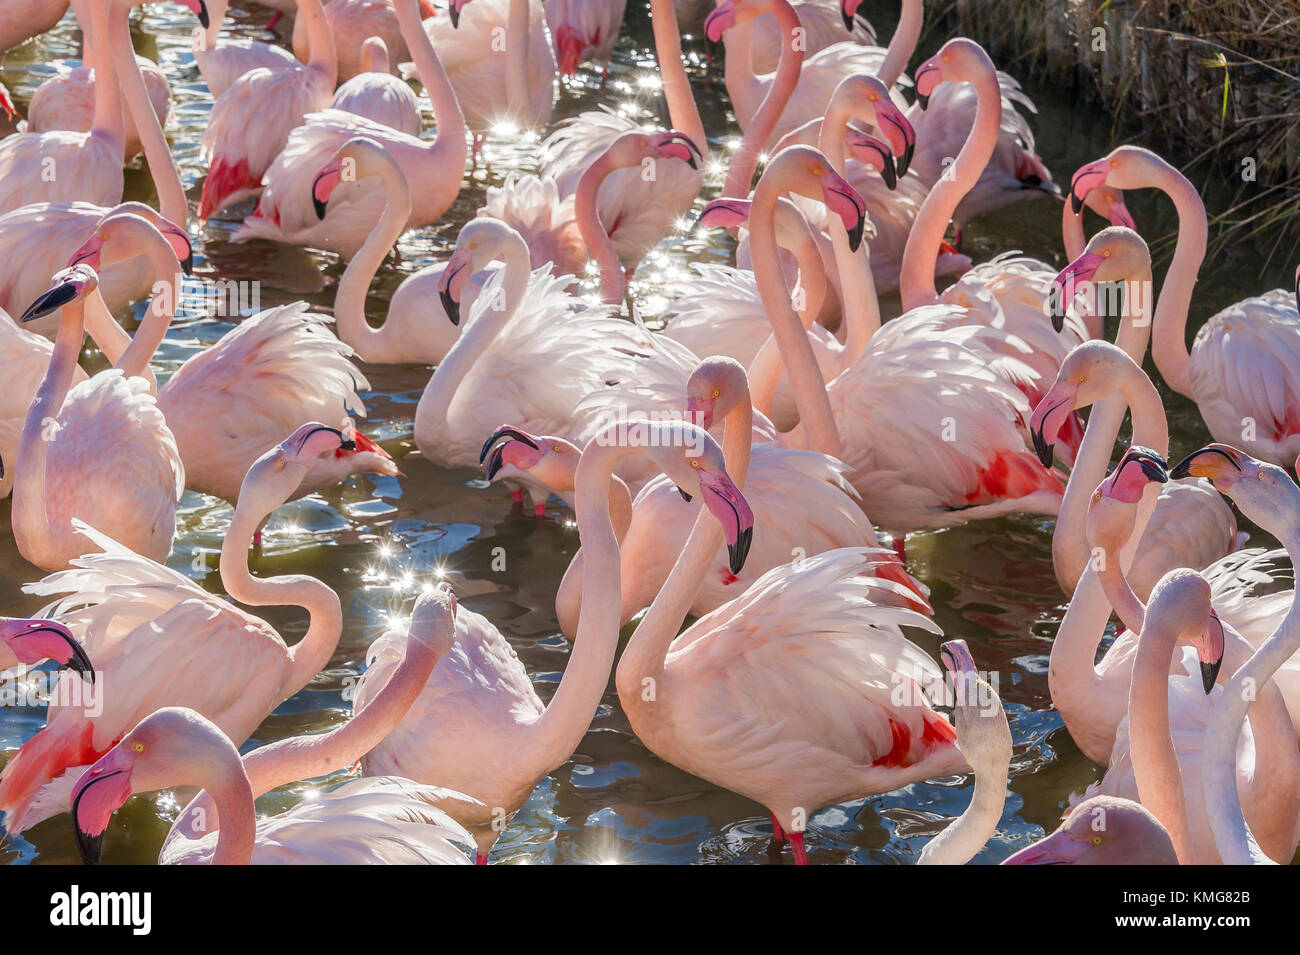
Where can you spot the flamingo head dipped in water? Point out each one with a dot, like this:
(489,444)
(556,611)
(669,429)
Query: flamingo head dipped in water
(28,642)
(356,160)
(1103,830)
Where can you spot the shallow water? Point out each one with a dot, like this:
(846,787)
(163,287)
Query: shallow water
(375,541)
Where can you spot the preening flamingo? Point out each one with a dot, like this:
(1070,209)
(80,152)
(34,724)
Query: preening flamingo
(61,471)
(1243,369)
(1266,494)
(160,638)
(584,30)
(1158,744)
(287,212)
(352,23)
(240,151)
(523,325)
(378,95)
(1103,830)
(984,738)
(275,369)
(221,62)
(364,822)
(27,642)
(479,699)
(1189,528)
(499,58)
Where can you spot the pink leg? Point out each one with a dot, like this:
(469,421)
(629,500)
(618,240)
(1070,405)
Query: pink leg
(900,547)
(517,495)
(274,20)
(257,539)
(796,843)
(540,509)
(777,832)
(480,858)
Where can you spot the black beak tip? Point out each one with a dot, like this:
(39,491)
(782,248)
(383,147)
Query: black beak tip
(495,463)
(450,306)
(904,162)
(848,19)
(685,497)
(347,444)
(1046,452)
(204,19)
(855,237)
(455,15)
(1210,673)
(55,298)
(319,207)
(1183,468)
(90,847)
(1076,202)
(739,551)
(923,99)
(889,172)
(188,265)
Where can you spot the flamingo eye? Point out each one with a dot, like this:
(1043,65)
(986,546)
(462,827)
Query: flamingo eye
(873,96)
(716,392)
(138,747)
(556,447)
(1081,379)
(695,462)
(1106,254)
(1096,840)
(1114,164)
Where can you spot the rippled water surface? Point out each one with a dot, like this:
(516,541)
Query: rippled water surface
(374,541)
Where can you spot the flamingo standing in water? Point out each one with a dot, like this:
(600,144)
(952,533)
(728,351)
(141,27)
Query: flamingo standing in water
(481,687)
(240,152)
(378,95)
(1266,494)
(61,472)
(1243,369)
(275,369)
(1158,744)
(160,638)
(287,211)
(584,30)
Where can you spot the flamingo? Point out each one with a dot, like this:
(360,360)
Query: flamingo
(481,685)
(584,30)
(61,471)
(638,211)
(22,20)
(287,212)
(801,502)
(221,62)
(363,822)
(238,152)
(28,641)
(984,738)
(1191,526)
(500,62)
(276,368)
(1266,495)
(63,227)
(1158,744)
(160,638)
(353,22)
(378,95)
(1102,830)
(502,367)
(1243,369)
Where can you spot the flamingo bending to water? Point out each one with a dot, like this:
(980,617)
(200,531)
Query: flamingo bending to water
(160,638)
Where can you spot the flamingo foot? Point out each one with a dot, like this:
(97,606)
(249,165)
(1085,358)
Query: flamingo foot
(480,858)
(900,547)
(796,844)
(777,832)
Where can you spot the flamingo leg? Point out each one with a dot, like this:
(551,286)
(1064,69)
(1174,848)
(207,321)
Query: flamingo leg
(796,844)
(539,510)
(480,858)
(517,495)
(900,548)
(777,832)
(274,20)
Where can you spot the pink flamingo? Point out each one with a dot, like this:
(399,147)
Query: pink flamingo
(26,642)
(1266,494)
(363,822)
(353,22)
(221,62)
(160,637)
(276,368)
(378,95)
(23,20)
(287,211)
(584,30)
(239,152)
(482,686)
(61,473)
(1243,369)
(1158,744)
(1103,830)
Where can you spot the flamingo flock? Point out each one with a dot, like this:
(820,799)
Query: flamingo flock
(744,471)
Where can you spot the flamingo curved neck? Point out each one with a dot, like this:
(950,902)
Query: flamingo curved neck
(447,114)
(134,361)
(309,655)
(683,113)
(1130,609)
(1169,343)
(971,831)
(485,324)
(518,29)
(37,540)
(324,62)
(921,254)
(613,281)
(111,337)
(763,123)
(374,344)
(108,123)
(903,43)
(233,799)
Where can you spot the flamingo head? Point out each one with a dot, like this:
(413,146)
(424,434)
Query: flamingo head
(67,286)
(849,8)
(874,153)
(722,18)
(128,231)
(374,55)
(1113,254)
(1103,830)
(723,214)
(200,9)
(163,750)
(1112,512)
(433,619)
(454,7)
(276,475)
(1091,371)
(481,241)
(693,461)
(1180,601)
(980,720)
(638,148)
(31,641)
(1108,202)
(549,460)
(807,172)
(868,99)
(1262,491)
(357,159)
(715,387)
(960,60)
(1125,167)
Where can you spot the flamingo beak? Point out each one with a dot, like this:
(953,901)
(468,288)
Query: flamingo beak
(1064,286)
(847,9)
(1219,463)
(899,132)
(728,505)
(452,284)
(180,242)
(723,214)
(1118,214)
(99,793)
(675,145)
(872,152)
(66,288)
(34,640)
(1049,416)
(722,19)
(926,78)
(1209,653)
(453,8)
(323,186)
(843,200)
(1054,850)
(1086,179)
(200,9)
(513,434)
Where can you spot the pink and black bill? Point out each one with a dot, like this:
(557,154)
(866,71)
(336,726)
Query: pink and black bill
(496,443)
